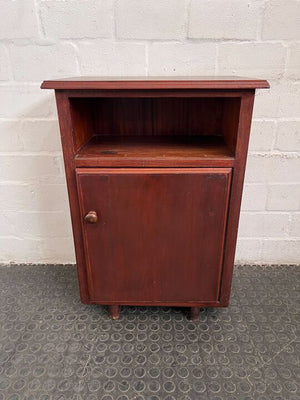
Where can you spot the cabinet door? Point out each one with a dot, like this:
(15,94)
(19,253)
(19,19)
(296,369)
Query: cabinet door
(159,235)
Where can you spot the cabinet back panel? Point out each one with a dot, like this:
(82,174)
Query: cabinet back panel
(158,116)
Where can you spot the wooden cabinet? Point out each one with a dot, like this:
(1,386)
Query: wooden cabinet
(155,172)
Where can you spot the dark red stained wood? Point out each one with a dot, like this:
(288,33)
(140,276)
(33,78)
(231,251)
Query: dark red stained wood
(230,120)
(122,116)
(153,93)
(114,311)
(244,125)
(159,236)
(155,151)
(82,122)
(204,82)
(155,122)
(187,116)
(68,146)
(155,116)
(194,313)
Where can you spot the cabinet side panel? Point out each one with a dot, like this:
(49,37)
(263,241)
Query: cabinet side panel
(230,121)
(82,121)
(65,123)
(244,126)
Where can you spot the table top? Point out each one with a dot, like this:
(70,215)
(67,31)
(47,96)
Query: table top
(156,82)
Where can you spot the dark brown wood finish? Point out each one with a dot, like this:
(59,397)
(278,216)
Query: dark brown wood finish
(156,116)
(159,235)
(82,122)
(194,313)
(114,312)
(69,151)
(153,93)
(244,124)
(155,151)
(160,166)
(204,82)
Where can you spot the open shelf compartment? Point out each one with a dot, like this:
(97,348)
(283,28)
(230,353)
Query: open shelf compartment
(155,132)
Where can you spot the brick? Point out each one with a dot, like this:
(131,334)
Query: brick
(275,224)
(36,63)
(288,136)
(256,168)
(77,19)
(57,250)
(263,224)
(19,19)
(112,58)
(281,20)
(281,251)
(33,197)
(19,250)
(27,250)
(16,197)
(35,224)
(283,197)
(182,59)
(10,136)
(219,19)
(295,225)
(289,100)
(293,63)
(248,251)
(40,136)
(34,220)
(26,101)
(281,100)
(266,102)
(145,19)
(254,197)
(4,64)
(250,225)
(51,197)
(30,136)
(26,168)
(262,135)
(283,169)
(262,60)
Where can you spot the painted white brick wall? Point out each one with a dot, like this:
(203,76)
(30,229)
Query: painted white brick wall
(221,19)
(42,39)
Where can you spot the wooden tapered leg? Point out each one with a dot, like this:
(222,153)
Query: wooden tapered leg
(194,313)
(114,312)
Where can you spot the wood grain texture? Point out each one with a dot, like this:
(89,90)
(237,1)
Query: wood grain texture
(82,122)
(154,151)
(230,121)
(68,146)
(160,167)
(243,133)
(159,236)
(153,93)
(204,82)
(156,116)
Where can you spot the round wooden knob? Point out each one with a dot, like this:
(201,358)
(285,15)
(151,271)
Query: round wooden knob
(91,217)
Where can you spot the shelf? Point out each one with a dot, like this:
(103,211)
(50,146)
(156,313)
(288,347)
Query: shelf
(154,151)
